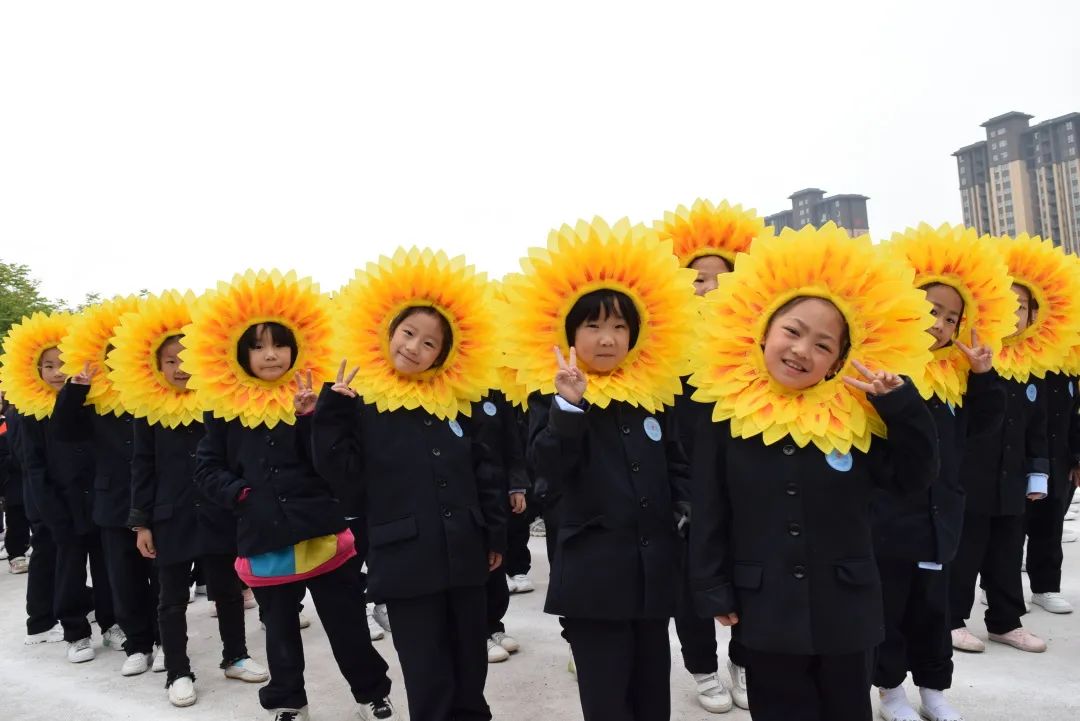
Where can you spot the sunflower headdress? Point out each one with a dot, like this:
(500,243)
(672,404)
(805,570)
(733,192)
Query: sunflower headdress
(365,308)
(957,257)
(886,315)
(134,360)
(90,339)
(589,257)
(1054,283)
(1071,364)
(218,320)
(515,393)
(705,229)
(23,345)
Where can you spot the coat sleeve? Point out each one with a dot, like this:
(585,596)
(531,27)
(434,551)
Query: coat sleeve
(517,474)
(337,448)
(49,497)
(491,465)
(984,404)
(1037,447)
(678,464)
(556,443)
(1074,424)
(72,420)
(213,477)
(143,475)
(710,533)
(909,460)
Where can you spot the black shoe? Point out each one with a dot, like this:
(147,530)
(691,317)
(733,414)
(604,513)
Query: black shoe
(381,710)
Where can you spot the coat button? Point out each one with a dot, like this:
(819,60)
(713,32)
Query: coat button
(644,541)
(127,443)
(799,572)
(626,430)
(789,450)
(446,512)
(274,469)
(282,499)
(644,502)
(427,421)
(794,529)
(191,454)
(441,483)
(791,489)
(635,466)
(436,452)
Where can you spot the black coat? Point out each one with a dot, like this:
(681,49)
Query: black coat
(434,492)
(691,415)
(164,498)
(782,534)
(288,501)
(512,438)
(995,470)
(622,478)
(10,470)
(111,441)
(17,464)
(926,526)
(59,477)
(1063,430)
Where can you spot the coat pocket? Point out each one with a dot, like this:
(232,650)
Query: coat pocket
(746,575)
(856,571)
(400,530)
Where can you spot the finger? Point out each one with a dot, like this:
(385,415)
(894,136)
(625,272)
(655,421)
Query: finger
(349,380)
(341,371)
(859,385)
(559,358)
(310,380)
(573,357)
(86,369)
(974,338)
(863,370)
(966,350)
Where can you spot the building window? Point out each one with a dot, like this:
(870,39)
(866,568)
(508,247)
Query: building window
(1071,138)
(1004,155)
(963,171)
(995,157)
(1004,143)
(1068,125)
(993,146)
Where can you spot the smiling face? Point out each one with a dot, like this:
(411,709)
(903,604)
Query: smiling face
(603,342)
(708,267)
(417,342)
(268,359)
(49,368)
(1025,311)
(169,363)
(948,309)
(804,343)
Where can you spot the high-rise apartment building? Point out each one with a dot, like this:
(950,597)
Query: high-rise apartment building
(812,207)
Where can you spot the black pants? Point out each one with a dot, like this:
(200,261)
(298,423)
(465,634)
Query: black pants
(223,586)
(623,668)
(358,526)
(1045,520)
(440,640)
(72,600)
(990,546)
(916,626)
(498,601)
(17,538)
(335,595)
(135,590)
(697,635)
(784,687)
(518,560)
(41,582)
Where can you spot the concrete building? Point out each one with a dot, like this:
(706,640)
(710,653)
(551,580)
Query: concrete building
(812,207)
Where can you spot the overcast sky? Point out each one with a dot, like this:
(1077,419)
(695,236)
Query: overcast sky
(157,145)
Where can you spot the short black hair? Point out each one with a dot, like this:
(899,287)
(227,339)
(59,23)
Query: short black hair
(605,301)
(279,334)
(845,341)
(444,325)
(157,354)
(729,264)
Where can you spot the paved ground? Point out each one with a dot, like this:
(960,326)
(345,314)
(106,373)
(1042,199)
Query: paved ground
(39,684)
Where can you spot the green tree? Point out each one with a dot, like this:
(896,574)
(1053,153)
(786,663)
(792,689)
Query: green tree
(19,295)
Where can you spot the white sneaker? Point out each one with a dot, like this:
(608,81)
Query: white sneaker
(159,660)
(894,705)
(711,693)
(1020,638)
(213,610)
(935,707)
(190,600)
(53,635)
(571,667)
(965,640)
(247,670)
(496,653)
(19,564)
(114,638)
(381,710)
(182,692)
(289,714)
(249,598)
(507,642)
(135,664)
(1071,515)
(305,621)
(1052,601)
(537,529)
(1068,536)
(80,651)
(739,694)
(374,629)
(382,616)
(3,554)
(520,584)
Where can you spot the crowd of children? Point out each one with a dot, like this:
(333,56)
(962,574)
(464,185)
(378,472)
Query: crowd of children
(825,444)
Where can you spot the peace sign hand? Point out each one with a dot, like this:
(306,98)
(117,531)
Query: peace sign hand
(341,383)
(87,375)
(305,397)
(979,356)
(880,382)
(570,381)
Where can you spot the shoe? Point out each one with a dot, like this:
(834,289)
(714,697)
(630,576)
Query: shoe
(114,638)
(247,670)
(182,692)
(894,705)
(374,629)
(159,660)
(508,642)
(213,610)
(1020,638)
(1068,536)
(964,640)
(571,667)
(381,710)
(1052,601)
(53,635)
(80,651)
(711,693)
(289,714)
(200,590)
(739,694)
(1071,515)
(520,584)
(496,653)
(537,528)
(18,565)
(136,664)
(190,600)
(305,621)
(249,598)
(382,617)
(935,707)
(3,554)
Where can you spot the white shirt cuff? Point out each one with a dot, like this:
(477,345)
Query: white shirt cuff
(567,405)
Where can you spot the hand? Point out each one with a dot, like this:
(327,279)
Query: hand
(341,383)
(144,541)
(494,560)
(87,375)
(305,397)
(1074,476)
(517,503)
(729,620)
(570,381)
(979,356)
(880,382)
(1036,496)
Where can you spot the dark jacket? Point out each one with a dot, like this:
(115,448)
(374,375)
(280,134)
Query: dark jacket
(512,437)
(926,526)
(16,464)
(1063,431)
(690,415)
(111,444)
(288,501)
(995,470)
(164,498)
(59,477)
(10,471)
(434,491)
(782,534)
(622,478)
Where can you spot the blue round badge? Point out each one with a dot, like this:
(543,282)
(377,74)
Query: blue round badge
(489,408)
(652,429)
(456,428)
(1032,393)
(839,461)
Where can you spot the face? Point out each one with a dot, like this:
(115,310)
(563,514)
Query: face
(268,361)
(602,344)
(170,364)
(1023,310)
(49,368)
(416,343)
(803,345)
(948,306)
(708,268)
